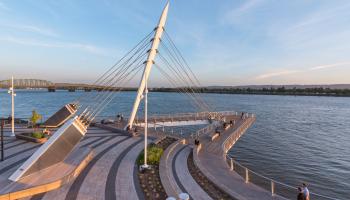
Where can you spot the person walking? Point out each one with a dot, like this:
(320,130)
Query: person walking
(300,194)
(306,192)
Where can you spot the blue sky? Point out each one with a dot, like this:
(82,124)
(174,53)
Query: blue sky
(225,42)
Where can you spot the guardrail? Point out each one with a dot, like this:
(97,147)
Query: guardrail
(232,139)
(275,187)
(204,131)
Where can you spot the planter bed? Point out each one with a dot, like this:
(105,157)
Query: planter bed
(150,180)
(209,187)
(29,138)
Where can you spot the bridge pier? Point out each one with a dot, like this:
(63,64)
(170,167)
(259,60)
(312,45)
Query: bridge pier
(51,89)
(72,89)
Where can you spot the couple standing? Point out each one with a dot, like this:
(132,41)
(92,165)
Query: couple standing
(304,193)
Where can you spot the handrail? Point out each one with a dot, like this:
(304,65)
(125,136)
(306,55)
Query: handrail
(272,181)
(229,142)
(204,131)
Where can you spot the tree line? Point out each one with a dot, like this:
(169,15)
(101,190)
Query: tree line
(265,91)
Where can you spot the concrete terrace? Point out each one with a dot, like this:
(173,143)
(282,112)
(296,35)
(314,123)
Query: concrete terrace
(112,174)
(112,166)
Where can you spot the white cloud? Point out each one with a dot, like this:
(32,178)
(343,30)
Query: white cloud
(329,66)
(31,28)
(232,16)
(285,72)
(80,46)
(277,73)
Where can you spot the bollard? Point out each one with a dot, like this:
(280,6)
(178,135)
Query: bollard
(272,188)
(246,176)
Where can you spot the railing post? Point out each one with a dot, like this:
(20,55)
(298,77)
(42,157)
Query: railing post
(272,188)
(246,175)
(232,168)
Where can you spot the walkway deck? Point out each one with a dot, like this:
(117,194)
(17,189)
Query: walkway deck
(211,161)
(115,156)
(175,175)
(184,176)
(111,174)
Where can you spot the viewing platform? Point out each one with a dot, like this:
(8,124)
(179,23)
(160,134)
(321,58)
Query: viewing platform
(104,164)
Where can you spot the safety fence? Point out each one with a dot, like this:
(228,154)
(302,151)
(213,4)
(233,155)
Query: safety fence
(248,119)
(275,187)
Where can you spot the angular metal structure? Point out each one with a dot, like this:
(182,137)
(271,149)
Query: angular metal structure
(55,150)
(61,116)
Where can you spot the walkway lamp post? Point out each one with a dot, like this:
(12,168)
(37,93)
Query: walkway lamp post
(11,91)
(145,165)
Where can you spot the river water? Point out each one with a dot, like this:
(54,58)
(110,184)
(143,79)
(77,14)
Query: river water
(294,139)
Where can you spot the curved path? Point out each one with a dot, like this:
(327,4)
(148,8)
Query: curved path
(184,176)
(215,168)
(175,175)
(109,175)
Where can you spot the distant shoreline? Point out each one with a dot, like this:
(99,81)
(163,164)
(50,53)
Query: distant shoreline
(272,91)
(244,91)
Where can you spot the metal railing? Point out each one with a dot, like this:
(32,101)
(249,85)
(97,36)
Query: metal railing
(232,139)
(204,131)
(275,187)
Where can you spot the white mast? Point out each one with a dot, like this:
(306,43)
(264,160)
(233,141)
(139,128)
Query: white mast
(11,91)
(148,65)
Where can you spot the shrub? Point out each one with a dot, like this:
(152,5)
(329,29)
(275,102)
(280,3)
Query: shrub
(153,155)
(38,135)
(34,119)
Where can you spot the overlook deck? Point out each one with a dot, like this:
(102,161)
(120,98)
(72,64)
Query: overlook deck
(111,172)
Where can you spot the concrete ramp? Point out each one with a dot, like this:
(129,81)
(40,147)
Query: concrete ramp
(61,116)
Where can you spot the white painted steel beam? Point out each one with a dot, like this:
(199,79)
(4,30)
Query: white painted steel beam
(149,62)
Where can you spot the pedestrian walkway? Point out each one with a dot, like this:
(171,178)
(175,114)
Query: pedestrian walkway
(192,188)
(114,162)
(175,175)
(215,168)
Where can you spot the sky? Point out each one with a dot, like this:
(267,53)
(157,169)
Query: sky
(225,42)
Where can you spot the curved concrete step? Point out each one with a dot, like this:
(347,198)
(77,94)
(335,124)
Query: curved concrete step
(166,169)
(192,188)
(174,173)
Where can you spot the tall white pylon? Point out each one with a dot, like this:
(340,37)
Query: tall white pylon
(148,64)
(11,91)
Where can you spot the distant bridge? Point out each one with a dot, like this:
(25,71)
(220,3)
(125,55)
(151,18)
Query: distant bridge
(52,87)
